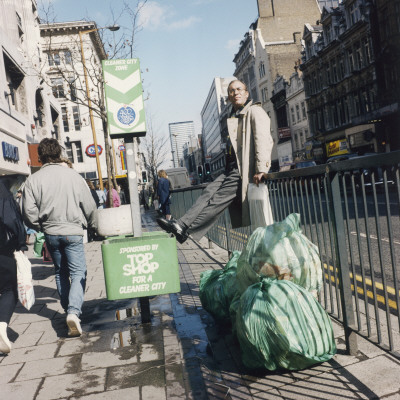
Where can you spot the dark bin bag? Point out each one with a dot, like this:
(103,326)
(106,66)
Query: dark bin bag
(280,251)
(280,325)
(217,289)
(38,245)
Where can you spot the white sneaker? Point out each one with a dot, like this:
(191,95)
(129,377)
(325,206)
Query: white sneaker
(74,325)
(5,345)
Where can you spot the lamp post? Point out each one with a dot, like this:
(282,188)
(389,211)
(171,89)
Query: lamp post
(96,150)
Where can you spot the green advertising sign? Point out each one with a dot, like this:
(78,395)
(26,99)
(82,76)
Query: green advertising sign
(140,266)
(124,98)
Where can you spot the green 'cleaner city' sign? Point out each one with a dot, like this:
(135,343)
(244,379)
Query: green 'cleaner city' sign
(124,98)
(140,266)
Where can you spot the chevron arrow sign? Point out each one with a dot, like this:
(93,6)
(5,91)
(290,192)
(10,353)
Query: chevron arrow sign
(124,98)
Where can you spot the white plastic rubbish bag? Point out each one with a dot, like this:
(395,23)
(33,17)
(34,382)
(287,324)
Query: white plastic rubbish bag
(259,205)
(26,294)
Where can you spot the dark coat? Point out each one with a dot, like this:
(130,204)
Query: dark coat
(12,230)
(163,191)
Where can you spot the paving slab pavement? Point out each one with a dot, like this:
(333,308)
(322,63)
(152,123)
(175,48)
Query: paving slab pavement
(181,354)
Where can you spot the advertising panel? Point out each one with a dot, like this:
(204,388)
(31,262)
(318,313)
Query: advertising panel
(336,148)
(124,98)
(140,266)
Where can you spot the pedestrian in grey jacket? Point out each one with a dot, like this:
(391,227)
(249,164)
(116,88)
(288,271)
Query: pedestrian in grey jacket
(56,201)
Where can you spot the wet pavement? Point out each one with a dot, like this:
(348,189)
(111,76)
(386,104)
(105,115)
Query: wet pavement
(181,354)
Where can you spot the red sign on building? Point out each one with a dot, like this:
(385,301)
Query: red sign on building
(284,133)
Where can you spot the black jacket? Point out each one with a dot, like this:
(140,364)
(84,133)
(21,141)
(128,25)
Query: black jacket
(12,230)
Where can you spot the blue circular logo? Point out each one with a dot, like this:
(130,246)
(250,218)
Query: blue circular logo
(126,115)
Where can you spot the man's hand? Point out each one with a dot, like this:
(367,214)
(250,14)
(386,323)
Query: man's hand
(257,178)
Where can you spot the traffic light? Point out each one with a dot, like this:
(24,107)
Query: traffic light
(200,171)
(207,168)
(144,176)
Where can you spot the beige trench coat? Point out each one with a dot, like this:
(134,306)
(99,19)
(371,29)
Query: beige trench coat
(252,141)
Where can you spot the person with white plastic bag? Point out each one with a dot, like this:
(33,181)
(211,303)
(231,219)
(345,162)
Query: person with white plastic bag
(12,238)
(248,148)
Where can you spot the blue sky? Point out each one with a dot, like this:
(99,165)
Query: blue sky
(182,46)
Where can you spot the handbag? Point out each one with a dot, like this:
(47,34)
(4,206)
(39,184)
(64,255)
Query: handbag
(259,206)
(26,294)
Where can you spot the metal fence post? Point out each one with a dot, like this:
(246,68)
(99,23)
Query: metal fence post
(346,295)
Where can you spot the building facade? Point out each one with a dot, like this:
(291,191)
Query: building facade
(340,79)
(297,115)
(385,25)
(272,49)
(27,112)
(179,135)
(214,153)
(64,73)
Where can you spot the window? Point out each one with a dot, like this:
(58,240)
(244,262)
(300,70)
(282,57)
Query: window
(264,94)
(303,109)
(367,51)
(58,87)
(292,114)
(15,88)
(334,71)
(296,141)
(74,151)
(72,88)
(328,34)
(53,59)
(261,70)
(75,115)
(67,57)
(354,13)
(328,74)
(298,112)
(19,24)
(342,70)
(359,57)
(301,139)
(65,118)
(350,60)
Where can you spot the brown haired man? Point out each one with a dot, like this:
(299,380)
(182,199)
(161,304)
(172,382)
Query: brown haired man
(54,200)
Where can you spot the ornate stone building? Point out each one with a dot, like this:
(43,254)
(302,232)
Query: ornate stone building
(340,78)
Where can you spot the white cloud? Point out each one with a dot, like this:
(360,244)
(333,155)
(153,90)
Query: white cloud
(233,44)
(155,16)
(183,23)
(152,15)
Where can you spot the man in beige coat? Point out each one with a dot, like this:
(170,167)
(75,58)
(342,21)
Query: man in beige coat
(248,157)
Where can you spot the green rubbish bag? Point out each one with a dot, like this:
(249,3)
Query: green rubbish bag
(281,325)
(38,245)
(280,251)
(217,289)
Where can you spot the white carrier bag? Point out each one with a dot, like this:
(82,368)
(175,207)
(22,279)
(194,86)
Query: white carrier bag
(26,294)
(259,205)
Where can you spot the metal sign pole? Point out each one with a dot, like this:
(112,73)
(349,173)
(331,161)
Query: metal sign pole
(135,211)
(133,187)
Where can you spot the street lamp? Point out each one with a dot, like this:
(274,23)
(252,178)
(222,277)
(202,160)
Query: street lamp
(112,28)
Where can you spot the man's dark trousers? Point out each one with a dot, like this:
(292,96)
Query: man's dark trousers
(216,197)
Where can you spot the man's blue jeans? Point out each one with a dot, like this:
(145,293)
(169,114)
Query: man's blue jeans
(68,257)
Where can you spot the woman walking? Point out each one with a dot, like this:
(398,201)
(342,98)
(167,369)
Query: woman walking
(163,193)
(12,237)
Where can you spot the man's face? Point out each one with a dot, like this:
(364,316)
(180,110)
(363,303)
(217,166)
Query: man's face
(237,94)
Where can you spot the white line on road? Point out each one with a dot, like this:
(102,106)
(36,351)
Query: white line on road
(374,237)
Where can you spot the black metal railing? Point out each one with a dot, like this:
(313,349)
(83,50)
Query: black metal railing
(351,211)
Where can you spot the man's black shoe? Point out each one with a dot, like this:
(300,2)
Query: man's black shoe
(173,227)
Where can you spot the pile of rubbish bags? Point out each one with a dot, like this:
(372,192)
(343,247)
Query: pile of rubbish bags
(268,292)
